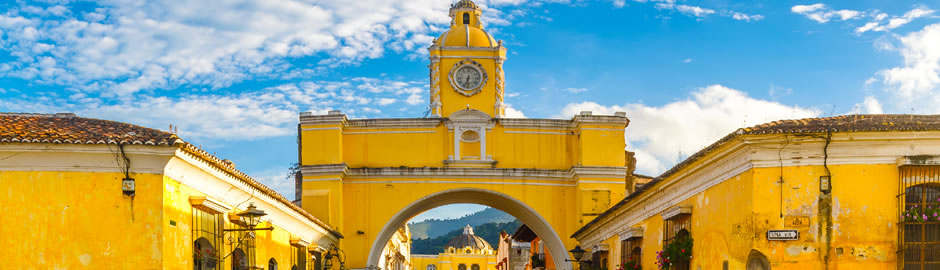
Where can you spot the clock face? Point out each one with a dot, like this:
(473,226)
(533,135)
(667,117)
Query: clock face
(468,77)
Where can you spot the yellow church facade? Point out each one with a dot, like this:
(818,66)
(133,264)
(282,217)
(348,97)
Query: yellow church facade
(83,193)
(845,192)
(367,177)
(464,252)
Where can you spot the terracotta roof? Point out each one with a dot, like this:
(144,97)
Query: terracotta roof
(835,124)
(67,128)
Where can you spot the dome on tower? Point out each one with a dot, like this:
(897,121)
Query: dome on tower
(468,239)
(465,28)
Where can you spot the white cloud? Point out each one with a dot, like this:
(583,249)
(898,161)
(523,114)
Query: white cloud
(574,90)
(876,25)
(687,60)
(870,105)
(920,74)
(745,17)
(694,11)
(121,47)
(262,113)
(513,113)
(661,135)
(821,13)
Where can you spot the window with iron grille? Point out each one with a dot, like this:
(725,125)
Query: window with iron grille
(919,230)
(207,228)
(299,257)
(675,228)
(631,250)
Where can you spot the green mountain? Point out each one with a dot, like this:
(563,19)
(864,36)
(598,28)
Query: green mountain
(489,232)
(436,227)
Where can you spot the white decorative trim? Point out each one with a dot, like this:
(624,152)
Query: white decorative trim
(323,179)
(391,132)
(213,182)
(540,132)
(676,212)
(922,160)
(209,204)
(600,248)
(605,129)
(327,128)
(630,233)
(394,123)
(762,151)
(82,157)
(602,182)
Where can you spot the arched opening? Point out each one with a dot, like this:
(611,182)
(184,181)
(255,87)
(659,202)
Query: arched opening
(503,202)
(239,260)
(462,267)
(466,18)
(272,264)
(204,256)
(757,261)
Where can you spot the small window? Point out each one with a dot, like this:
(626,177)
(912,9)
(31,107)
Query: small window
(475,267)
(272,264)
(466,18)
(432,267)
(630,250)
(462,267)
(239,260)
(920,227)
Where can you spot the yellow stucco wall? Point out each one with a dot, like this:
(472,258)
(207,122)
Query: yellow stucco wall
(70,220)
(82,220)
(727,223)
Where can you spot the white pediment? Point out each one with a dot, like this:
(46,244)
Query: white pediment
(469,115)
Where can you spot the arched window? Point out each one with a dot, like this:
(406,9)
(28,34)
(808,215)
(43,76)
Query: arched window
(757,261)
(462,267)
(239,260)
(272,264)
(204,256)
(466,18)
(921,229)
(475,267)
(432,267)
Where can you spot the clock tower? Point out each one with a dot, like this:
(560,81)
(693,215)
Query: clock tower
(466,66)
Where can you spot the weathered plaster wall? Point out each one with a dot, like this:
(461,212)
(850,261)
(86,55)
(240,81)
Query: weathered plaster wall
(72,220)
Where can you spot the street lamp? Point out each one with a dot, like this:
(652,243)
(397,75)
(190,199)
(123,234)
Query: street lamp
(252,216)
(328,258)
(577,253)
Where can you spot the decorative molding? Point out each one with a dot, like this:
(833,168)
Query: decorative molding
(326,119)
(209,204)
(676,212)
(328,128)
(540,132)
(394,123)
(922,160)
(762,151)
(631,233)
(470,163)
(390,132)
(600,248)
(297,242)
(472,173)
(82,157)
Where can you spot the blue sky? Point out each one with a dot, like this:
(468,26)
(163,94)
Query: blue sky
(232,76)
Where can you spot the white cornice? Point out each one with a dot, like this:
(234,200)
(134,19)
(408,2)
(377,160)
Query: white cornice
(630,233)
(741,154)
(575,173)
(218,184)
(676,212)
(394,123)
(82,157)
(309,119)
(209,204)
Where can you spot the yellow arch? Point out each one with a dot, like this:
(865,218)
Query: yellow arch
(490,198)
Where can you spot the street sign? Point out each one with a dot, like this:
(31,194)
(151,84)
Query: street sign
(782,235)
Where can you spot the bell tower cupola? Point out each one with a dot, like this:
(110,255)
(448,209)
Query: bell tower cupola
(466,67)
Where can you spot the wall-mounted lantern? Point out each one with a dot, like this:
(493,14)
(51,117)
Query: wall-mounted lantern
(824,184)
(128,186)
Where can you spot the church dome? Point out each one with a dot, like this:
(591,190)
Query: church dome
(465,28)
(468,239)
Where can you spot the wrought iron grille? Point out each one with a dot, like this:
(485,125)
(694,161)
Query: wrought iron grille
(630,249)
(919,218)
